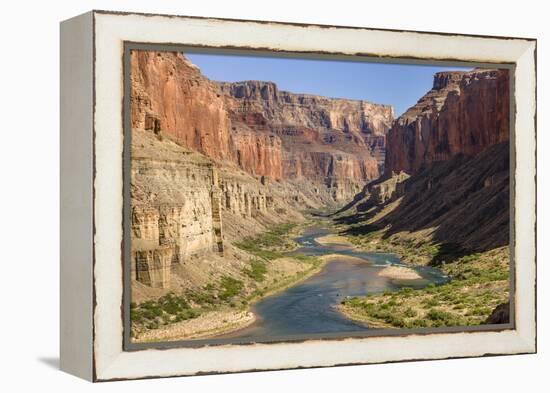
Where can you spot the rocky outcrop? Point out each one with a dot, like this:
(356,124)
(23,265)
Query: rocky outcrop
(389,189)
(176,208)
(501,314)
(180,200)
(464,113)
(247,199)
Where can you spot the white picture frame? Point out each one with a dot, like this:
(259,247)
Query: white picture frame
(92,141)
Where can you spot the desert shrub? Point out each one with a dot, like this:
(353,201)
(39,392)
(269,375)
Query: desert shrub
(440,317)
(153,325)
(187,314)
(480,311)
(136,316)
(202,297)
(391,303)
(263,245)
(230,287)
(430,302)
(431,288)
(172,304)
(257,270)
(416,323)
(394,320)
(165,310)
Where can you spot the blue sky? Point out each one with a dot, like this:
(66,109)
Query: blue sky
(399,85)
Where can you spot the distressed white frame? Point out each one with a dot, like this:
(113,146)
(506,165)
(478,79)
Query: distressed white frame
(112,30)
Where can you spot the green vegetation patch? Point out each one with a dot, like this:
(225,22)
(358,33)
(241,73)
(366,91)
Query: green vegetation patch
(165,310)
(230,287)
(257,270)
(269,245)
(479,283)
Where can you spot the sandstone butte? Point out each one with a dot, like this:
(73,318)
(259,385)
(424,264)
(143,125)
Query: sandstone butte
(215,162)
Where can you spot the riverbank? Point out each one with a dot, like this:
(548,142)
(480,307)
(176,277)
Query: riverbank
(205,326)
(223,305)
(224,320)
(479,284)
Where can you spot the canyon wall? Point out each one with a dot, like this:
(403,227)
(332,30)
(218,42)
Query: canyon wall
(462,201)
(175,209)
(337,144)
(246,154)
(179,199)
(170,94)
(464,113)
(310,111)
(447,166)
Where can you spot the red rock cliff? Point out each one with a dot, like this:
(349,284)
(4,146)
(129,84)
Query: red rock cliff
(169,94)
(337,143)
(464,112)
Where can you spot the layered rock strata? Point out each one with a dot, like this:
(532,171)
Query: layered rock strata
(447,165)
(176,210)
(464,113)
(335,144)
(338,143)
(185,206)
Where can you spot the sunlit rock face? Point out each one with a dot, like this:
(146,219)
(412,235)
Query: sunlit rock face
(310,111)
(338,143)
(175,210)
(169,94)
(464,113)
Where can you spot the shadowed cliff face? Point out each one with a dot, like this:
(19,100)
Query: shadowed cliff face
(464,113)
(336,144)
(465,199)
(447,167)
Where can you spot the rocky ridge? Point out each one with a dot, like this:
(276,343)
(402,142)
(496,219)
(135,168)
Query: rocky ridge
(447,161)
(338,143)
(464,113)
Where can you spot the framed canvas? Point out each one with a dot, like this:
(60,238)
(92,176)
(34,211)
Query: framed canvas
(247,195)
